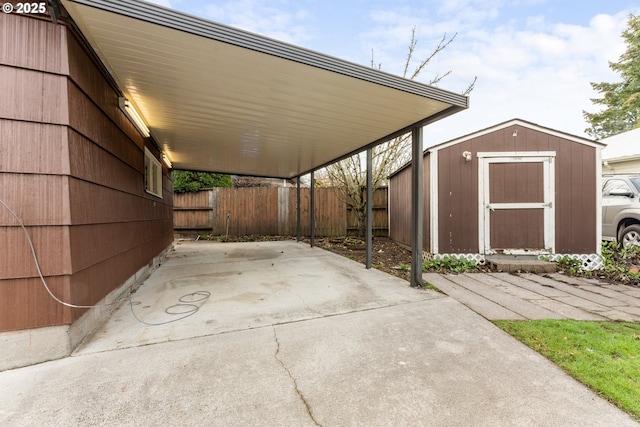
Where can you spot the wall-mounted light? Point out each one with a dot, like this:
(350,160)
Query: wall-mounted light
(515,132)
(467,156)
(133,116)
(166,161)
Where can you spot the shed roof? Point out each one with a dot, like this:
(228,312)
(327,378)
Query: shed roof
(225,100)
(503,125)
(621,147)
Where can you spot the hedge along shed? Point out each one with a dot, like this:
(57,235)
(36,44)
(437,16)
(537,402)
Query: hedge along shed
(514,188)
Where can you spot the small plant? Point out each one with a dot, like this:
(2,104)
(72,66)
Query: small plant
(620,263)
(570,265)
(450,263)
(404,267)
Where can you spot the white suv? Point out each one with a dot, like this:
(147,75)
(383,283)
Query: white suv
(621,209)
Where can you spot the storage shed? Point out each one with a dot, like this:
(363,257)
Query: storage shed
(515,188)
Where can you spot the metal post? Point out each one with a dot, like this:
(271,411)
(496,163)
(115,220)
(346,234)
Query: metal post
(298,231)
(312,211)
(417,196)
(369,231)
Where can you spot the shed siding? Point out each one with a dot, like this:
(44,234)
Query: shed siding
(457,200)
(72,168)
(575,198)
(400,206)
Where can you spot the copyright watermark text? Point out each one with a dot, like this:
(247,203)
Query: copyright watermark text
(25,8)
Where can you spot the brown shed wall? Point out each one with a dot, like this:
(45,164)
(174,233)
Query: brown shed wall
(400,206)
(575,185)
(72,169)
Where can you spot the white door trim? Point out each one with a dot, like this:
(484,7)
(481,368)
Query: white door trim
(547,158)
(433,202)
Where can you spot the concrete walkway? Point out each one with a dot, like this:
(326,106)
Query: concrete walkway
(506,296)
(296,336)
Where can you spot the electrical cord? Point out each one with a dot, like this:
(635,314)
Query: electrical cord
(191,307)
(191,302)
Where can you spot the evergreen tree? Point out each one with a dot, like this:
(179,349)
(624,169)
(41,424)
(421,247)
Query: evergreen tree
(622,99)
(184,181)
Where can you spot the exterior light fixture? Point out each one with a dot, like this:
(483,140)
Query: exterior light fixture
(133,116)
(166,161)
(467,156)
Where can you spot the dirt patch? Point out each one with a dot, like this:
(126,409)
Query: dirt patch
(386,255)
(395,259)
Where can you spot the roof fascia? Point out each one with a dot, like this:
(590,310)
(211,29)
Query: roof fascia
(517,122)
(424,122)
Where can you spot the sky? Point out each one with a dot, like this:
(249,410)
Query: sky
(534,59)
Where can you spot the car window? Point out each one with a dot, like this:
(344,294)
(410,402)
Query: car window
(636,182)
(616,185)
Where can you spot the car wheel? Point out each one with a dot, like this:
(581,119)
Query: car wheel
(630,236)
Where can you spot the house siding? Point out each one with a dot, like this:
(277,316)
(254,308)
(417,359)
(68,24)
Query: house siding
(72,168)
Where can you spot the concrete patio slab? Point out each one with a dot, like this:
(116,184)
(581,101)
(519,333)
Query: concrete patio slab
(304,337)
(251,285)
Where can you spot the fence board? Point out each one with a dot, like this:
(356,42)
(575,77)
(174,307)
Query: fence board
(271,211)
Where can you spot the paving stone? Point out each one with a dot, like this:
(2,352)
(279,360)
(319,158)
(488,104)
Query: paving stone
(516,265)
(633,291)
(610,293)
(573,290)
(511,302)
(506,295)
(632,310)
(538,288)
(477,303)
(498,281)
(568,311)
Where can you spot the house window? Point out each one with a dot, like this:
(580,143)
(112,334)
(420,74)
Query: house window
(152,174)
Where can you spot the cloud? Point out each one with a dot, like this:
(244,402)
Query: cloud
(280,19)
(530,67)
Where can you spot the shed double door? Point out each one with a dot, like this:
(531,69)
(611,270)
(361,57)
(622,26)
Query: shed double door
(516,212)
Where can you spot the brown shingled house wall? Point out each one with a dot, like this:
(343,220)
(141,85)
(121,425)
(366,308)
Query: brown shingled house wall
(72,169)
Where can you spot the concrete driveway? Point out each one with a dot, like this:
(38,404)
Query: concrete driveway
(296,336)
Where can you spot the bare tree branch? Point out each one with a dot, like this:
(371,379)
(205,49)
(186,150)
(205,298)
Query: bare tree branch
(349,176)
(471,86)
(439,48)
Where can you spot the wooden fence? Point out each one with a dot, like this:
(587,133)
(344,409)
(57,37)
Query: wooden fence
(271,211)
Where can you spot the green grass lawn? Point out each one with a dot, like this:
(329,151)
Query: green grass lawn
(603,355)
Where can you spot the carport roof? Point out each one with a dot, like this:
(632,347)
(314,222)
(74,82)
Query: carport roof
(224,100)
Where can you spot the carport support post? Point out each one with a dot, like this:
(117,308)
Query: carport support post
(369,232)
(417,196)
(298,231)
(312,211)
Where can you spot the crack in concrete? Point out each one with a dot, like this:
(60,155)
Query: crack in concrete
(293,380)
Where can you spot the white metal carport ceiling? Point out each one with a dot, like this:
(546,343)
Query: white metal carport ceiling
(224,100)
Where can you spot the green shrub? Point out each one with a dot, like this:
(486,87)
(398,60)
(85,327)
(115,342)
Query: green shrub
(184,181)
(450,263)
